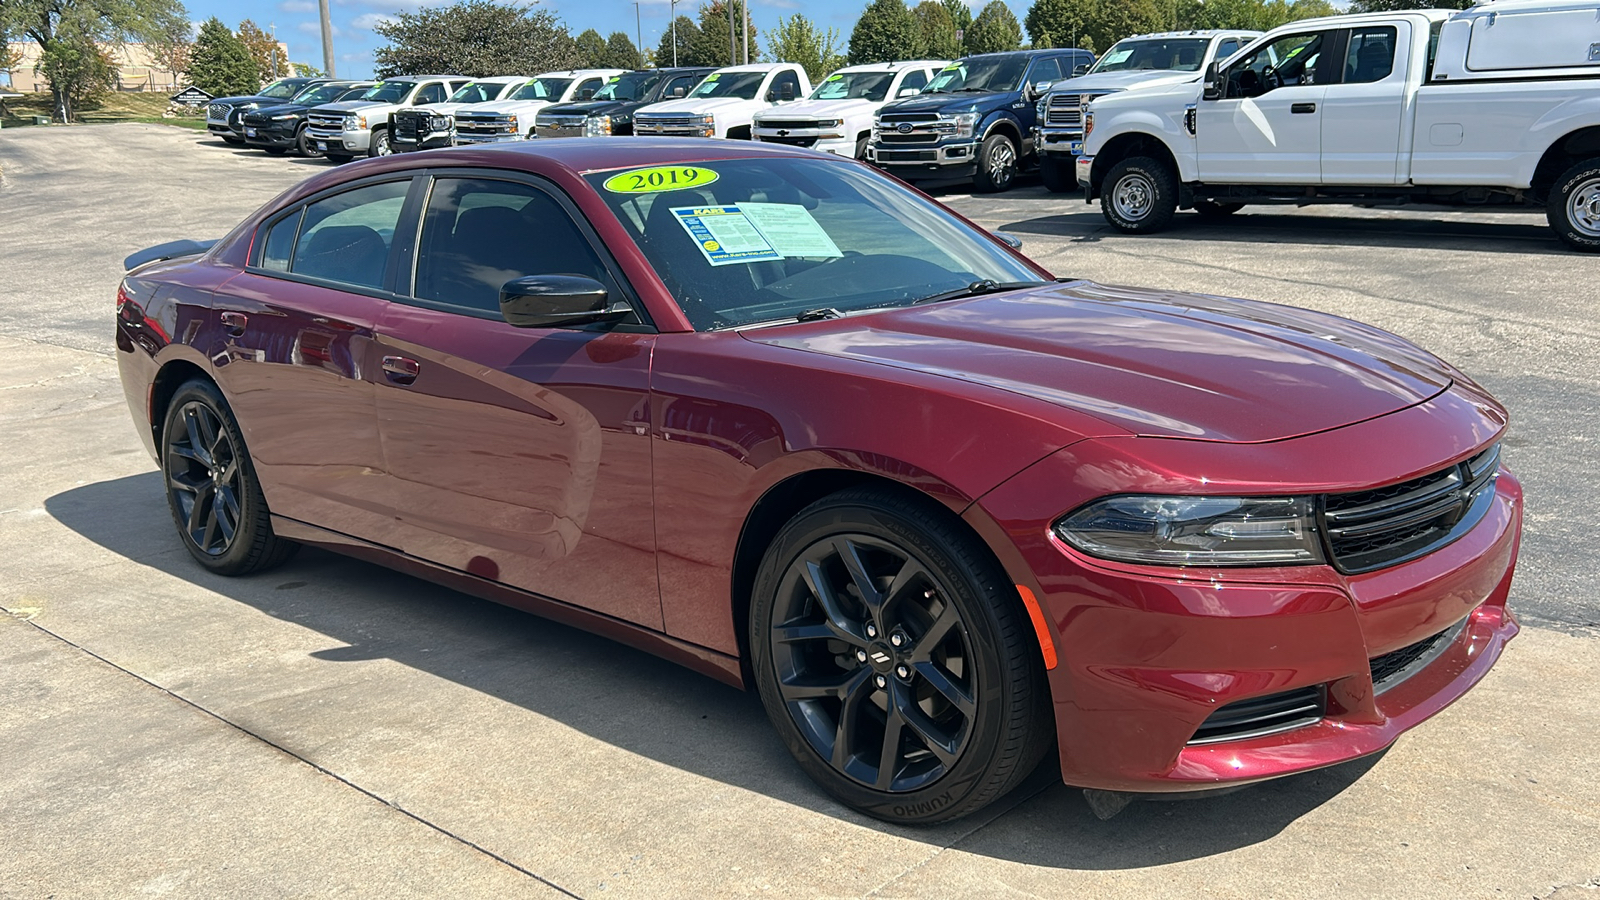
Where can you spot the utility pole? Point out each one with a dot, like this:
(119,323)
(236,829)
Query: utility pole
(274,27)
(638,30)
(673,12)
(733,39)
(745,5)
(327,38)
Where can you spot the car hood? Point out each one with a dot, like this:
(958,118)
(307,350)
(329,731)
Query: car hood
(349,105)
(700,106)
(240,101)
(1121,81)
(822,109)
(1149,362)
(590,108)
(951,103)
(501,107)
(270,111)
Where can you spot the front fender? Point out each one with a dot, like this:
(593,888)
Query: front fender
(1169,131)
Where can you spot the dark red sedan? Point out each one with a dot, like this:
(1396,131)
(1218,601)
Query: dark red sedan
(774,416)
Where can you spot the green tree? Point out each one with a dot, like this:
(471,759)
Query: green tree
(686,32)
(621,53)
(476,37)
(306,70)
(960,13)
(886,32)
(220,65)
(591,49)
(799,41)
(994,30)
(711,43)
(79,69)
(1316,9)
(1060,23)
(82,24)
(936,31)
(271,61)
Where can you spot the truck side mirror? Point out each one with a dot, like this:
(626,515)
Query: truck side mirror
(786,92)
(586,94)
(1215,81)
(1079,69)
(1038,89)
(908,92)
(678,91)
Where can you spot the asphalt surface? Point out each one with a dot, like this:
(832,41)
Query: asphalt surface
(335,728)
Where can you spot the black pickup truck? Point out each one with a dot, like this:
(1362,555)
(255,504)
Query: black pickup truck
(279,129)
(610,111)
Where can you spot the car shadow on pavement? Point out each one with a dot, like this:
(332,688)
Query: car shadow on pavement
(1262,225)
(645,705)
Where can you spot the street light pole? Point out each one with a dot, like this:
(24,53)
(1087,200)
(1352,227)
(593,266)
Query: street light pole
(327,38)
(673,12)
(638,29)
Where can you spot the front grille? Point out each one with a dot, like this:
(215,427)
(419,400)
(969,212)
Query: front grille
(561,126)
(667,121)
(896,156)
(1261,716)
(787,123)
(790,140)
(915,137)
(1064,109)
(1368,530)
(217,112)
(325,125)
(1391,668)
(483,125)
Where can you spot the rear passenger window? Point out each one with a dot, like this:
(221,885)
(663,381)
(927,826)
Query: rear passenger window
(346,237)
(1371,55)
(478,234)
(1044,70)
(280,242)
(432,93)
(916,79)
(1227,48)
(684,83)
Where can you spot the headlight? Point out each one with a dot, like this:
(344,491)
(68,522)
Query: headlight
(439,123)
(962,125)
(511,125)
(829,123)
(597,126)
(285,117)
(703,120)
(1196,531)
(1039,108)
(354,122)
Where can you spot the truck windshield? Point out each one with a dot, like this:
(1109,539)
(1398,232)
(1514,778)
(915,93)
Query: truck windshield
(318,94)
(872,86)
(281,89)
(979,74)
(478,92)
(1176,54)
(629,86)
(542,89)
(388,91)
(730,84)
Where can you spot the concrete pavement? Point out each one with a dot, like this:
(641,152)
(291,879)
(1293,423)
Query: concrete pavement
(333,727)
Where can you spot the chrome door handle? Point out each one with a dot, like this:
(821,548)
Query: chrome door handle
(234,322)
(400,370)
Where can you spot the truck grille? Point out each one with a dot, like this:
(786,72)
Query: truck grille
(666,121)
(923,128)
(1391,668)
(1065,110)
(412,125)
(1261,716)
(561,126)
(1368,530)
(325,125)
(481,125)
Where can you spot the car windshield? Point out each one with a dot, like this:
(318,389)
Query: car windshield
(1178,54)
(743,241)
(980,73)
(478,92)
(872,86)
(320,93)
(730,84)
(282,89)
(629,86)
(389,91)
(542,89)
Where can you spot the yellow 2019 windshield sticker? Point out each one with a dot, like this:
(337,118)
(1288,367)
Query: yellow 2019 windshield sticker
(656,179)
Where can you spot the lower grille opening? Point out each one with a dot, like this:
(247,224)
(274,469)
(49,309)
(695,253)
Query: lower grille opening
(1391,668)
(1260,716)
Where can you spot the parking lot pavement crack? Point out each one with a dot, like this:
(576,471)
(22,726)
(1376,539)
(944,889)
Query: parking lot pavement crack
(29,620)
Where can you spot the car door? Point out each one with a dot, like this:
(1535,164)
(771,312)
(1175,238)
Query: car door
(520,455)
(1364,111)
(1267,129)
(299,356)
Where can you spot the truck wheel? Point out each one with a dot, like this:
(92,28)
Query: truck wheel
(380,143)
(997,164)
(1211,209)
(305,146)
(861,147)
(1140,195)
(1574,206)
(1058,177)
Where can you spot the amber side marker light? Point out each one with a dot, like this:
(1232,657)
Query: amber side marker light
(1046,645)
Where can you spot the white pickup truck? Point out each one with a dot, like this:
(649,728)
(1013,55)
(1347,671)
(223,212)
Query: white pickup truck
(837,117)
(725,104)
(360,127)
(512,119)
(1497,104)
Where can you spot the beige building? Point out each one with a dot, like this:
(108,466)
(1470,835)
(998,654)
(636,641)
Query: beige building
(137,70)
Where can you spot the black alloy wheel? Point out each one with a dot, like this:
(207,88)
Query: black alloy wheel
(894,661)
(212,490)
(305,146)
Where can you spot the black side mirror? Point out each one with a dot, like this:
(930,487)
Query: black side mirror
(547,301)
(1079,69)
(1214,83)
(586,94)
(786,92)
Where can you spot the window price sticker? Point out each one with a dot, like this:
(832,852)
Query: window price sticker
(754,232)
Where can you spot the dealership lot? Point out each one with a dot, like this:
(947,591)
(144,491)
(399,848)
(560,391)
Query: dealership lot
(330,726)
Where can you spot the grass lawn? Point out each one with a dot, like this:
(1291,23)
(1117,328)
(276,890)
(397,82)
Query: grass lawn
(119,107)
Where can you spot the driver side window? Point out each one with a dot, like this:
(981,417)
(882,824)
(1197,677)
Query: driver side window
(1289,60)
(432,93)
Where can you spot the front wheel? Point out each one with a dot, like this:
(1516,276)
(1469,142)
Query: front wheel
(997,164)
(1140,195)
(1574,206)
(305,146)
(212,490)
(894,660)
(380,143)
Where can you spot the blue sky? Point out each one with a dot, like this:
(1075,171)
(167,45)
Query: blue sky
(354,39)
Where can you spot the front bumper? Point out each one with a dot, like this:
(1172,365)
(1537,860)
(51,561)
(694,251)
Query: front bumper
(342,142)
(1062,144)
(1148,654)
(501,138)
(1084,167)
(271,135)
(222,129)
(954,159)
(810,138)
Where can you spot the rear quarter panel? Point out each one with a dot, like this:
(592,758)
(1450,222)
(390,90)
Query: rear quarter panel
(1494,134)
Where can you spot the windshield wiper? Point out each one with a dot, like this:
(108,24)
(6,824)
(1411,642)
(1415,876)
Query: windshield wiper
(813,315)
(977,289)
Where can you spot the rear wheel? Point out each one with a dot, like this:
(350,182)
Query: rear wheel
(1573,208)
(893,658)
(212,490)
(1140,195)
(1058,177)
(997,164)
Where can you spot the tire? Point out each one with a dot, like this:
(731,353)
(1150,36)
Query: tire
(997,164)
(305,146)
(861,148)
(1573,208)
(1057,178)
(1211,209)
(379,145)
(339,159)
(1139,195)
(275,151)
(949,651)
(212,490)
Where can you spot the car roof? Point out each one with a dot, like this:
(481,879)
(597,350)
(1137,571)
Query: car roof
(421,77)
(755,67)
(892,66)
(1196,33)
(502,79)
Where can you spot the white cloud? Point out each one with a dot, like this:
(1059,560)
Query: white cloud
(298,6)
(370,21)
(316,29)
